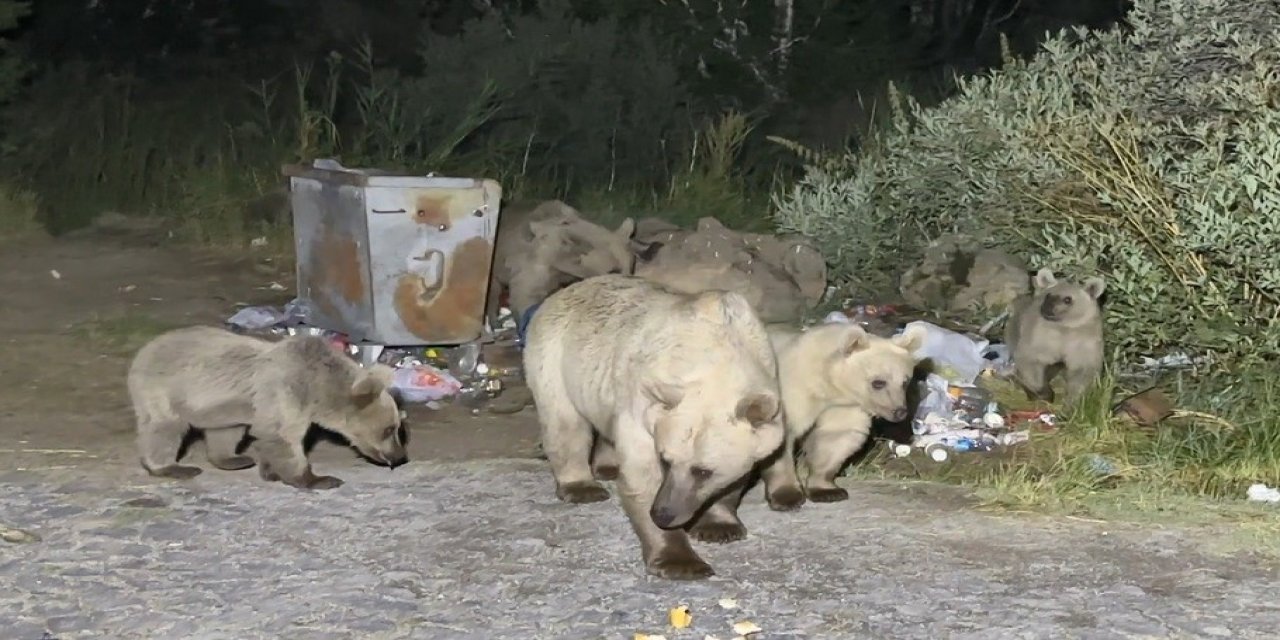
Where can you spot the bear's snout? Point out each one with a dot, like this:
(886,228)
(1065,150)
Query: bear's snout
(899,414)
(662,516)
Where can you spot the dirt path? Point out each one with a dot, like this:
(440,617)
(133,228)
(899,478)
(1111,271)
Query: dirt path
(468,541)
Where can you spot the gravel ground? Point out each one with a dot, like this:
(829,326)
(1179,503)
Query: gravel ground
(483,550)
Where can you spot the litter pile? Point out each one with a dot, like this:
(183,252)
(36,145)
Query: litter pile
(955,414)
(429,375)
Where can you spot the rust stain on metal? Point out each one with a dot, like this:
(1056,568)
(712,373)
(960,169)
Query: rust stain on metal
(338,268)
(455,309)
(433,210)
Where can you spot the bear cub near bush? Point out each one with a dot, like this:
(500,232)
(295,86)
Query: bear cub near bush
(222,383)
(1057,328)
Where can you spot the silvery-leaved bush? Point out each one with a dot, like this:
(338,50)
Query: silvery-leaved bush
(1150,156)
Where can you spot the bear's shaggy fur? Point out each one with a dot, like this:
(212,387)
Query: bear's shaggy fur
(835,378)
(683,389)
(221,383)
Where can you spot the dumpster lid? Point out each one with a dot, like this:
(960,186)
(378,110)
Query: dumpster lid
(331,171)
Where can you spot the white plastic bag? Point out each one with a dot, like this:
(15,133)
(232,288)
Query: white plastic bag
(957,357)
(425,383)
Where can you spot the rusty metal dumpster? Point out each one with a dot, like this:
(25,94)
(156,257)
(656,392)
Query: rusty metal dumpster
(394,260)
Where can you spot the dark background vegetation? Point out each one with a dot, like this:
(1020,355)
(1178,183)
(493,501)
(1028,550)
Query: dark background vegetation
(187,108)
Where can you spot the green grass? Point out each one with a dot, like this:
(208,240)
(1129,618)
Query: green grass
(119,334)
(1194,467)
(18,214)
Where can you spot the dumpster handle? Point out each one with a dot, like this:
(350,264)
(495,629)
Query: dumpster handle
(388,210)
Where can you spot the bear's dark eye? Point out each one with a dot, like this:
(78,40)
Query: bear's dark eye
(389,432)
(664,463)
(1066,299)
(700,473)
(879,384)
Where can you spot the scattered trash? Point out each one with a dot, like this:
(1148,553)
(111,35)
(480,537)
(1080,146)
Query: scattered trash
(948,406)
(870,316)
(17,536)
(55,274)
(260,241)
(1036,418)
(276,286)
(680,617)
(260,318)
(1100,465)
(746,628)
(956,356)
(1262,493)
(648,636)
(728,603)
(423,376)
(1177,360)
(127,288)
(256,318)
(425,383)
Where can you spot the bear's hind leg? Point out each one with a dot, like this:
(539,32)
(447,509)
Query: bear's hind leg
(159,441)
(604,460)
(221,445)
(567,440)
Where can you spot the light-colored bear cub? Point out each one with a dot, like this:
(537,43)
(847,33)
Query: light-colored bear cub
(221,383)
(1057,327)
(835,378)
(683,389)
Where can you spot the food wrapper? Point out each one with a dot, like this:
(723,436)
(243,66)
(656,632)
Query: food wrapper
(680,617)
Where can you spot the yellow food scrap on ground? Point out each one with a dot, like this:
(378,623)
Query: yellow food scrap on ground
(746,628)
(680,617)
(728,603)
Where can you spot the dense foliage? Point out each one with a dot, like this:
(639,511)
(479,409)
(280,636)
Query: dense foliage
(1149,155)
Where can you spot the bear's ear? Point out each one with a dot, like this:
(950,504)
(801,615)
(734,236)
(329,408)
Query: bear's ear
(724,307)
(911,338)
(1045,279)
(1094,287)
(663,394)
(366,389)
(758,409)
(626,229)
(854,339)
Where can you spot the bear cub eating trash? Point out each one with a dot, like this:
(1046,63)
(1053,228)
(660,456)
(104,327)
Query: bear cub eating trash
(222,383)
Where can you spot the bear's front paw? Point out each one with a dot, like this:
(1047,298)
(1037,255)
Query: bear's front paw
(232,463)
(718,532)
(582,492)
(786,499)
(835,494)
(680,566)
(321,483)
